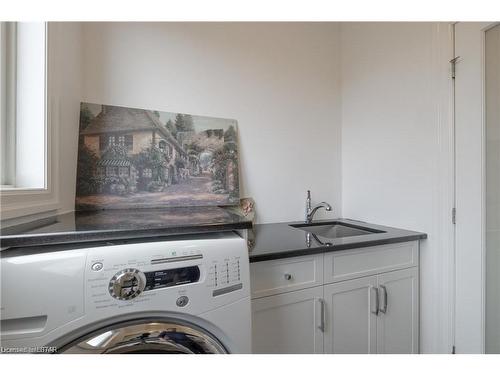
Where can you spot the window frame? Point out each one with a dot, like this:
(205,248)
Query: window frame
(8,182)
(16,202)
(8,76)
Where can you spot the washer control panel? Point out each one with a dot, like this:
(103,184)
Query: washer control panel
(172,277)
(192,275)
(127,284)
(225,275)
(130,282)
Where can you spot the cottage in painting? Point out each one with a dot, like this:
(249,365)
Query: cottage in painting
(136,153)
(133,131)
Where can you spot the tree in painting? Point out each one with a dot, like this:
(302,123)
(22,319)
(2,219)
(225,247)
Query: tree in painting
(87,181)
(155,162)
(224,164)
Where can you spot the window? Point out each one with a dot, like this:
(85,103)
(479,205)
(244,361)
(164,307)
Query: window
(125,141)
(112,171)
(103,142)
(123,171)
(129,142)
(106,141)
(22,105)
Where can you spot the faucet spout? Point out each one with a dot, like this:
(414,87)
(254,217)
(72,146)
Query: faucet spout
(325,205)
(310,211)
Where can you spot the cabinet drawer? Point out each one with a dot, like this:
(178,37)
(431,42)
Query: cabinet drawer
(284,275)
(349,264)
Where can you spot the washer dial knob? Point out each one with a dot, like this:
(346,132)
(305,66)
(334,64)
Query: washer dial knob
(127,284)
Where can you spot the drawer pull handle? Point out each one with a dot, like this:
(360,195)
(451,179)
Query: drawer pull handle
(288,276)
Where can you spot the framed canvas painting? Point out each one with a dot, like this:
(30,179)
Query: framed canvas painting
(139,158)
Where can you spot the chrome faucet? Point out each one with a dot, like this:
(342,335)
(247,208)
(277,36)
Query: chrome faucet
(310,235)
(310,211)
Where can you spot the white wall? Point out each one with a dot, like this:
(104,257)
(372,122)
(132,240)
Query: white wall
(394,135)
(279,80)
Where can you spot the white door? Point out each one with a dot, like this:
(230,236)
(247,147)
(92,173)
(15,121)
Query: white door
(351,316)
(288,323)
(470,186)
(397,325)
(492,191)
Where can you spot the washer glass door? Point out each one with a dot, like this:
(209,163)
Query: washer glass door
(144,338)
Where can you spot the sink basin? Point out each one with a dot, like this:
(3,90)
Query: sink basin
(335,229)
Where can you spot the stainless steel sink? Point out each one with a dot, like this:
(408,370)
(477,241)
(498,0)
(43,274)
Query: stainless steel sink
(335,229)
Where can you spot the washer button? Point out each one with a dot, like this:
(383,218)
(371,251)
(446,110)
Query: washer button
(97,266)
(182,301)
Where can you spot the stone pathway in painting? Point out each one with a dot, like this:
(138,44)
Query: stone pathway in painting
(189,192)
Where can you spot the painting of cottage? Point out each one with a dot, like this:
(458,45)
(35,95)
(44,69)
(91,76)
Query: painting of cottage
(137,158)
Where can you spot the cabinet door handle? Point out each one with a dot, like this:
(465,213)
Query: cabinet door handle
(384,308)
(321,326)
(374,292)
(288,276)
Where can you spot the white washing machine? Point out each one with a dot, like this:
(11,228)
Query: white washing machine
(185,295)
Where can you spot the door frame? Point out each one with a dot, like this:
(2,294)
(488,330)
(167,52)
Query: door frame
(470,203)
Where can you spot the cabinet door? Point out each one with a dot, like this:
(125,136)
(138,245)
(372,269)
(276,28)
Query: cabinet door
(397,327)
(350,323)
(288,322)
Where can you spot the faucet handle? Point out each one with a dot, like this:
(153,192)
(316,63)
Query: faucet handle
(309,194)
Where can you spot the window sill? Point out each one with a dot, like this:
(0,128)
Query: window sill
(19,202)
(13,190)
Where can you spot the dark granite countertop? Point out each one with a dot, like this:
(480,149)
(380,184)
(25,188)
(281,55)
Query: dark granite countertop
(86,226)
(280,240)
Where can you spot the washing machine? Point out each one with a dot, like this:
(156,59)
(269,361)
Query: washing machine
(179,295)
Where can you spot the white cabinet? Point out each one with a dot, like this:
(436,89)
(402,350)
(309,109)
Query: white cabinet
(351,326)
(285,275)
(350,264)
(352,301)
(397,323)
(288,322)
(377,314)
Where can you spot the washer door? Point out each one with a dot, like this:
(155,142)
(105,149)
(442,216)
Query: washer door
(144,338)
